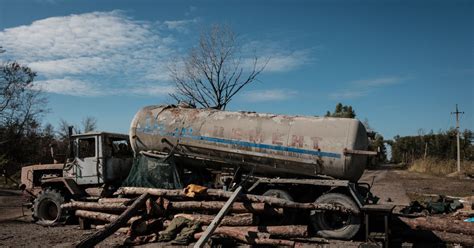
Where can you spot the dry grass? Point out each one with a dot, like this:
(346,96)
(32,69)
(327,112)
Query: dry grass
(440,167)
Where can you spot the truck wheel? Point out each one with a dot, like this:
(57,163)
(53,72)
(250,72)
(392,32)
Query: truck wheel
(331,224)
(47,208)
(289,215)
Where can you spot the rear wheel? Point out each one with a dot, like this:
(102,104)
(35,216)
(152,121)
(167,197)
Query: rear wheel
(332,224)
(47,208)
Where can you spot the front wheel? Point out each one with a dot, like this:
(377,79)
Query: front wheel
(332,224)
(47,208)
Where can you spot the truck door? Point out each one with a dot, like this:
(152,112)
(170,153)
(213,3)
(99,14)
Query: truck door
(87,160)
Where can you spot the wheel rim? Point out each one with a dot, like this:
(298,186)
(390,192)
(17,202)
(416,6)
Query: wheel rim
(335,220)
(48,210)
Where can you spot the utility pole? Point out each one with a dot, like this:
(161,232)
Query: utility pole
(457,136)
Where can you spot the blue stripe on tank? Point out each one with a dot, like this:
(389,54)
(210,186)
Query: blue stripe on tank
(265,146)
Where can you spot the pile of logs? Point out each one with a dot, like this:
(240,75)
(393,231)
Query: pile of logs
(153,210)
(143,212)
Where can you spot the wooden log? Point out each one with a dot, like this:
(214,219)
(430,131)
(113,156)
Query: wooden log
(95,206)
(245,219)
(100,235)
(125,201)
(237,207)
(151,191)
(291,231)
(271,201)
(437,224)
(105,217)
(96,215)
(249,238)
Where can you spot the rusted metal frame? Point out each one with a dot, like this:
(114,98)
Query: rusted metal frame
(359,152)
(355,195)
(384,209)
(315,182)
(70,184)
(153,155)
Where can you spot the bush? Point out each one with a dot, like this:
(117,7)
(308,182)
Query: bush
(443,167)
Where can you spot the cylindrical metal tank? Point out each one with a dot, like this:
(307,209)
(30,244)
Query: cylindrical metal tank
(268,144)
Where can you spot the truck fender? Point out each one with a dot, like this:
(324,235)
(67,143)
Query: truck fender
(68,183)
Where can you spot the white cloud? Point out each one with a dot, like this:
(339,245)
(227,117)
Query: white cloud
(67,86)
(348,94)
(278,59)
(71,65)
(99,47)
(376,82)
(364,87)
(152,90)
(179,25)
(269,95)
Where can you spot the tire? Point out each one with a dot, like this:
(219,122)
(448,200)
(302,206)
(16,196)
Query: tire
(47,208)
(289,215)
(330,224)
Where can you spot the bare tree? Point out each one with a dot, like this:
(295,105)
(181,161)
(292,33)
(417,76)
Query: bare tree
(63,129)
(214,71)
(89,124)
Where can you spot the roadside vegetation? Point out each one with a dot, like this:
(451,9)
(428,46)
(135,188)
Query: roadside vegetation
(434,153)
(440,167)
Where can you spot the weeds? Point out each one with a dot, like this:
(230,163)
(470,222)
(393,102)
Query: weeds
(440,167)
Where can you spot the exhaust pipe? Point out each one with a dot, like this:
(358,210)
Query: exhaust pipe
(71,143)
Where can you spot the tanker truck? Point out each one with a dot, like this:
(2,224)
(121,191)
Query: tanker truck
(297,158)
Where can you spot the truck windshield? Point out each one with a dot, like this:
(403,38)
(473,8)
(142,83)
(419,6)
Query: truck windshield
(120,147)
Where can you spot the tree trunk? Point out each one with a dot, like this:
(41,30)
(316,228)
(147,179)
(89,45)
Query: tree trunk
(96,215)
(125,201)
(115,225)
(234,220)
(237,207)
(106,217)
(94,206)
(436,224)
(271,201)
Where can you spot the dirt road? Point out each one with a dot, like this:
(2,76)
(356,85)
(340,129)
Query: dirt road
(391,185)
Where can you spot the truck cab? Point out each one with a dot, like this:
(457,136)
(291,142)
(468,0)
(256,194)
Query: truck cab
(97,163)
(99,158)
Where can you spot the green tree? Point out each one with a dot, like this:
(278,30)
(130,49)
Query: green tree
(441,145)
(21,108)
(342,111)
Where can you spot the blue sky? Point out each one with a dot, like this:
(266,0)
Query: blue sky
(403,65)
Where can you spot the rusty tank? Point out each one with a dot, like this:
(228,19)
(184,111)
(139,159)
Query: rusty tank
(267,144)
